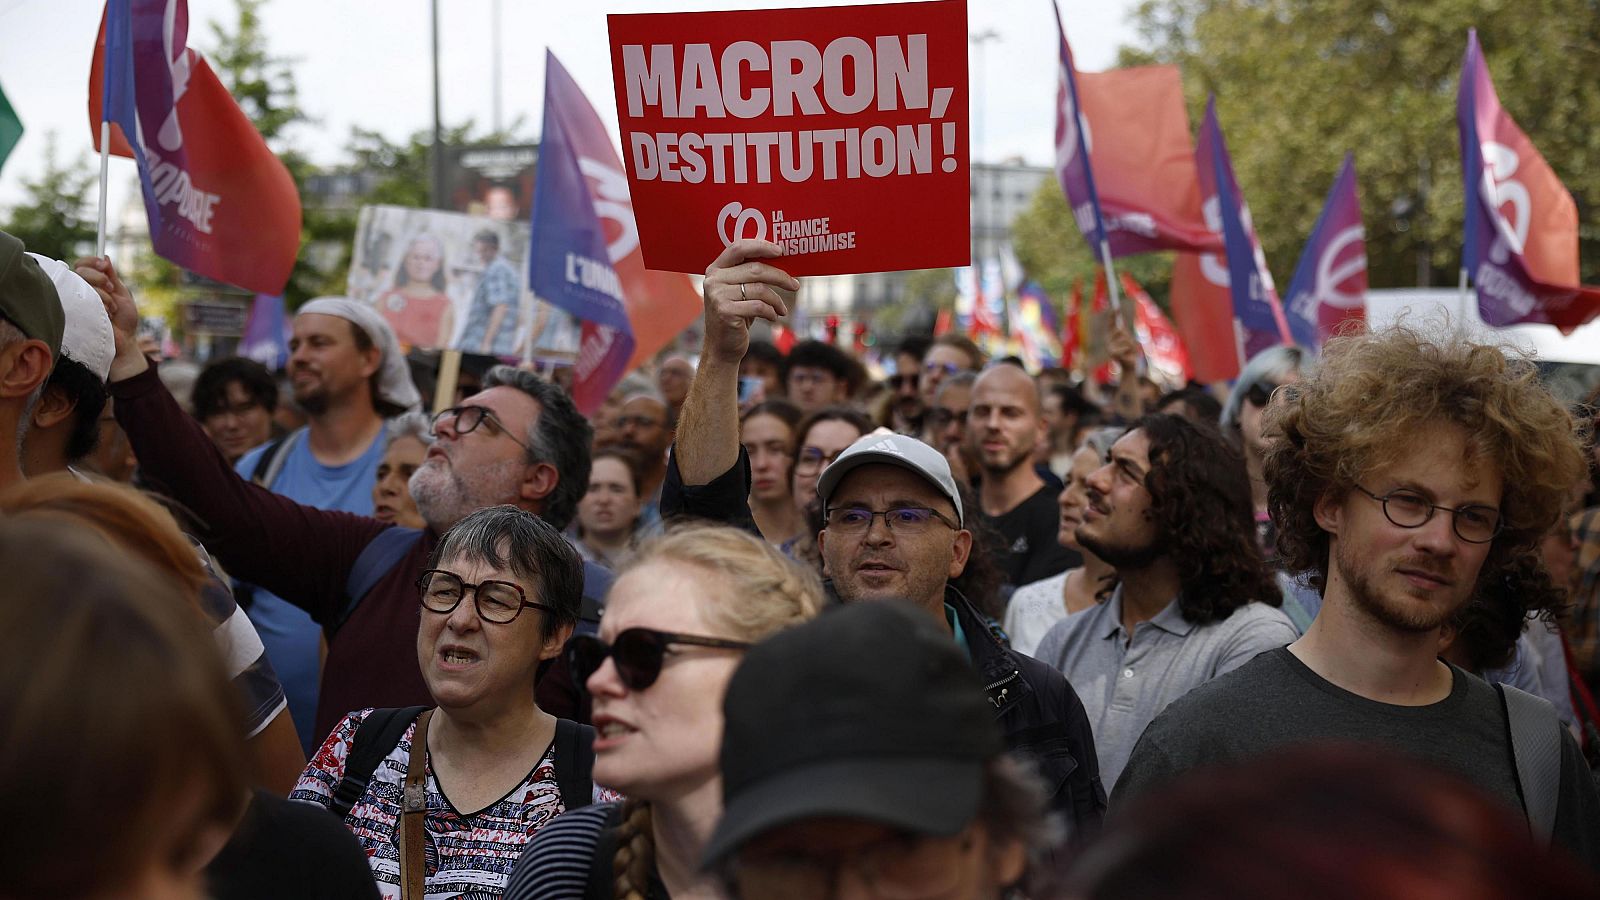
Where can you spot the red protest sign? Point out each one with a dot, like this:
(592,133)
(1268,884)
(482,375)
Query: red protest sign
(837,132)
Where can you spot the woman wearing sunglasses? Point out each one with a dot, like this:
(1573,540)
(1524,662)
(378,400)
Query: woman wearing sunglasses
(486,767)
(677,623)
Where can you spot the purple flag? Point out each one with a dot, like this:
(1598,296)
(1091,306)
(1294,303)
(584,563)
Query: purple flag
(571,262)
(266,332)
(1072,151)
(1330,283)
(1255,298)
(1521,227)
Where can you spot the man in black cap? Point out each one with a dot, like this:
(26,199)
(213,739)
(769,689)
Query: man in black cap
(859,758)
(895,529)
(31,326)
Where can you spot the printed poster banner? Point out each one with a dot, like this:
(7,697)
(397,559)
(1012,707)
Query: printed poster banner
(1330,283)
(444,280)
(219,202)
(1521,241)
(839,133)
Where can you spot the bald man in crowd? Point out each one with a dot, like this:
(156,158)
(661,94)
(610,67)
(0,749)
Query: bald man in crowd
(1003,427)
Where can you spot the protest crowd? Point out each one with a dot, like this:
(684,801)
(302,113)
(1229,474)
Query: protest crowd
(775,617)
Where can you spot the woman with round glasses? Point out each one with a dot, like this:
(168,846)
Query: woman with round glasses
(677,623)
(486,766)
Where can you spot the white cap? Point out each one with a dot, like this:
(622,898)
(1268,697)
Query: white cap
(895,450)
(87,340)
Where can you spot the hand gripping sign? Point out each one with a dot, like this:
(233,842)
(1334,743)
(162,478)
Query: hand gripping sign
(839,133)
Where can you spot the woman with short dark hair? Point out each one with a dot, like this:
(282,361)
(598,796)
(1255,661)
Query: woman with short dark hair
(487,767)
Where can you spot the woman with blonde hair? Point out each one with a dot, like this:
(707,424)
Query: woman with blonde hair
(677,622)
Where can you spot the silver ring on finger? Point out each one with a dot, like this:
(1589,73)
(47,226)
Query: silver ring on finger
(742,295)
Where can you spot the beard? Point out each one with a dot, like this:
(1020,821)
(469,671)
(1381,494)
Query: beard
(1005,465)
(1418,617)
(315,399)
(1130,557)
(445,495)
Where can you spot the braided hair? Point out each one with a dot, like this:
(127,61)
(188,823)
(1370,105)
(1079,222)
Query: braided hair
(635,858)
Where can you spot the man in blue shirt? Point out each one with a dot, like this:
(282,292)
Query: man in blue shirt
(348,374)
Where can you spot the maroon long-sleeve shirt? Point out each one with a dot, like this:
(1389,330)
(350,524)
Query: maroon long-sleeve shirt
(295,551)
(292,550)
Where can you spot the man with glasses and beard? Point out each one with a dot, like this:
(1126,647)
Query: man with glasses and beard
(1170,511)
(1412,477)
(518,441)
(1003,425)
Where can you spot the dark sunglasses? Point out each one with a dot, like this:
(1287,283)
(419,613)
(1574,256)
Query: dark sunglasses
(638,653)
(1260,393)
(910,380)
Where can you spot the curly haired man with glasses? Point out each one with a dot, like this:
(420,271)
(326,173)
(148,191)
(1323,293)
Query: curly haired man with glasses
(1411,478)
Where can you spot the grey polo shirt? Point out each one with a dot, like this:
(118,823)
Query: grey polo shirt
(1124,683)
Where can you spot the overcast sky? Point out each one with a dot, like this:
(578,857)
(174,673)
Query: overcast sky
(366,63)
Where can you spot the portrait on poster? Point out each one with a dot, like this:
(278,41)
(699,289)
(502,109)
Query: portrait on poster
(447,280)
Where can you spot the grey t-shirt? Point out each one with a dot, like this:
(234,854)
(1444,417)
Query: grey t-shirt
(1275,700)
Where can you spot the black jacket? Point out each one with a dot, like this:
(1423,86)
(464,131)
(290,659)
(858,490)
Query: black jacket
(1037,709)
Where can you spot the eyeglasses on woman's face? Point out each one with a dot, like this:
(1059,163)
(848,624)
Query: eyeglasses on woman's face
(496,601)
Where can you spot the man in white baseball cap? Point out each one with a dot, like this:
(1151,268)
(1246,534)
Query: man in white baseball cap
(64,426)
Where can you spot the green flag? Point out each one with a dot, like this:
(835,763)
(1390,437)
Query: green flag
(10,128)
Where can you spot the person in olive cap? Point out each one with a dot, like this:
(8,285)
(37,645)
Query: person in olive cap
(31,326)
(860,758)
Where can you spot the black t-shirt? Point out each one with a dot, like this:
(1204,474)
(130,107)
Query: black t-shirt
(1029,550)
(287,849)
(1275,700)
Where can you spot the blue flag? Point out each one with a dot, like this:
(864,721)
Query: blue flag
(570,262)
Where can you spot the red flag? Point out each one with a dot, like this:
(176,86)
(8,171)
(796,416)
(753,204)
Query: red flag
(1162,345)
(219,202)
(1070,327)
(941,323)
(1202,304)
(784,339)
(1097,351)
(1143,157)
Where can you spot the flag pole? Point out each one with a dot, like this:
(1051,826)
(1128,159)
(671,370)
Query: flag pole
(105,168)
(1123,312)
(1463,285)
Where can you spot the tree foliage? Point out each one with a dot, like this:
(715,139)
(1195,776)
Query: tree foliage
(1300,82)
(55,220)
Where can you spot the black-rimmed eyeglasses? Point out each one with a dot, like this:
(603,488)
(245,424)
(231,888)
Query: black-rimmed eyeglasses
(466,419)
(1473,523)
(497,601)
(638,653)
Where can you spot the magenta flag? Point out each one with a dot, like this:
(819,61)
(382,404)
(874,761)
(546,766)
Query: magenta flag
(1330,283)
(1521,226)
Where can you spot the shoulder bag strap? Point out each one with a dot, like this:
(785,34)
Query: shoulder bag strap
(379,732)
(1536,748)
(574,751)
(271,463)
(413,808)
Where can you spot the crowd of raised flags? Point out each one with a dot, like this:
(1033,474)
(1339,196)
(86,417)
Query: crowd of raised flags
(221,204)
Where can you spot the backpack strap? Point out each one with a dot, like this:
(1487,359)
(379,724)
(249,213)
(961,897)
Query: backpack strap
(378,733)
(270,464)
(601,884)
(1536,749)
(574,748)
(380,555)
